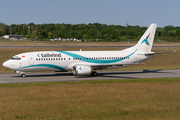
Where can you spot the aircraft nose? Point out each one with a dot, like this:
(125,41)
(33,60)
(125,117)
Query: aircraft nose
(6,64)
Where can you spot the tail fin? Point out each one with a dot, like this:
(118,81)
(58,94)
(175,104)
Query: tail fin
(146,41)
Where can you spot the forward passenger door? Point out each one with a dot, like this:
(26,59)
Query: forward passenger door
(31,59)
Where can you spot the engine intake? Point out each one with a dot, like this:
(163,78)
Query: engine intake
(82,70)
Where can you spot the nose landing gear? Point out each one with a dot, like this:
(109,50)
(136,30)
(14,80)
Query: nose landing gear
(23,75)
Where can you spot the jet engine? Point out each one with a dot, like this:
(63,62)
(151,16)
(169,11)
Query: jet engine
(82,70)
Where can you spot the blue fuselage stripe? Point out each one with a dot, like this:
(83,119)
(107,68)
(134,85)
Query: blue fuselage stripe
(95,60)
(45,65)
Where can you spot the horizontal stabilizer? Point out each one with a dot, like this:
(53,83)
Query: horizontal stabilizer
(153,53)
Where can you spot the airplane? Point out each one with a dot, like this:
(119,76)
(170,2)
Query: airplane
(84,62)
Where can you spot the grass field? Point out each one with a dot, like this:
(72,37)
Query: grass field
(61,43)
(74,43)
(102,100)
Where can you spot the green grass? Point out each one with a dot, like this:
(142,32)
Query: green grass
(98,99)
(61,43)
(11,85)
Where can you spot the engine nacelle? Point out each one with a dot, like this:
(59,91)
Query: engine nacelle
(82,70)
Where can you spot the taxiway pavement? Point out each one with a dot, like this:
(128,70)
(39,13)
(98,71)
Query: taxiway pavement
(104,75)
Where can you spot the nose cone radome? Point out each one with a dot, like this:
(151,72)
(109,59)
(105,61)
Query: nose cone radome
(6,64)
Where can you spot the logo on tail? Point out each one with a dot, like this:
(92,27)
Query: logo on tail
(146,41)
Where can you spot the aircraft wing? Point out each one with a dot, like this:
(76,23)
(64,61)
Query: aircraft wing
(101,66)
(104,66)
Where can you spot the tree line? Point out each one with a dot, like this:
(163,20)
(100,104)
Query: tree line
(87,31)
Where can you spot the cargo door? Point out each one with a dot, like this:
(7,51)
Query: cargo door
(135,57)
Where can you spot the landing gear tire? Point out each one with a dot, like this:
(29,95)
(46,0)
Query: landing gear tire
(23,75)
(94,74)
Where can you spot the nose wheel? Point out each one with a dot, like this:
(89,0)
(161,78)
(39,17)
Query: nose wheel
(23,75)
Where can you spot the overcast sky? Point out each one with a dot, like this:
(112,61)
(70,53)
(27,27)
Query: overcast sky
(110,12)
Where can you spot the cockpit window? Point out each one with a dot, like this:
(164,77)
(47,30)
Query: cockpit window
(16,58)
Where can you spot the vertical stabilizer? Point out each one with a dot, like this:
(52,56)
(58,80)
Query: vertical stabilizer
(146,42)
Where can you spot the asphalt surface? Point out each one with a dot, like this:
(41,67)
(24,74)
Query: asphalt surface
(104,75)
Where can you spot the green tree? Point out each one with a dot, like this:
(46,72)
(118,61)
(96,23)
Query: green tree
(30,35)
(171,32)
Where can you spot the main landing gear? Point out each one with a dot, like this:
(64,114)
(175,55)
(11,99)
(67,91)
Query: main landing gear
(23,75)
(94,73)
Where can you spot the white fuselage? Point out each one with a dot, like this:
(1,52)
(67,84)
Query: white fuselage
(65,60)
